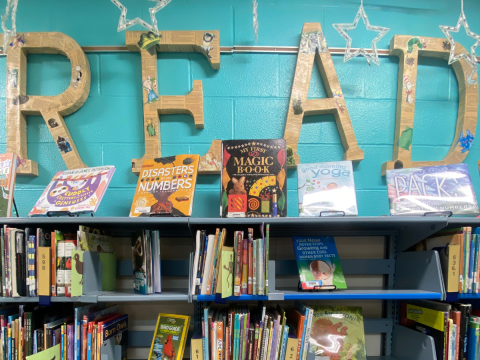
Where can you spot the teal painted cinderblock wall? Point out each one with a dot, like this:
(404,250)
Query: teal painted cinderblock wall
(246,98)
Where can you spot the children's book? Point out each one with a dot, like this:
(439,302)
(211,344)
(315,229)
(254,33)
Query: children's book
(342,323)
(166,186)
(416,191)
(326,187)
(74,191)
(140,274)
(77,273)
(8,172)
(169,337)
(52,353)
(318,263)
(254,178)
(227,271)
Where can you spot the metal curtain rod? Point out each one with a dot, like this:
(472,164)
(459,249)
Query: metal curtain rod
(237,49)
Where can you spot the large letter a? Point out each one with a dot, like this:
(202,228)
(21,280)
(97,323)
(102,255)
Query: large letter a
(313,46)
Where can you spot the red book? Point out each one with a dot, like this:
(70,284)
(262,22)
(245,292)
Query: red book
(238,263)
(85,339)
(250,261)
(53,247)
(299,321)
(456,315)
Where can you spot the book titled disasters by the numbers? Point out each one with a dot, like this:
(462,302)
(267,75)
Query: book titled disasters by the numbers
(74,191)
(166,186)
(318,263)
(326,187)
(417,191)
(254,178)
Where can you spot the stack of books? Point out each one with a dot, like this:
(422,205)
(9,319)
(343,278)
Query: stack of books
(146,262)
(237,266)
(86,333)
(241,333)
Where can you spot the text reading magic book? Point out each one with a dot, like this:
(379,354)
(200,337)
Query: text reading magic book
(430,189)
(74,191)
(254,178)
(169,337)
(337,332)
(166,186)
(318,263)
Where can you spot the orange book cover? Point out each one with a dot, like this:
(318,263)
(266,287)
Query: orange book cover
(220,343)
(166,186)
(299,321)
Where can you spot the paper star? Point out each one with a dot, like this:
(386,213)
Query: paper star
(11,4)
(470,58)
(124,23)
(343,28)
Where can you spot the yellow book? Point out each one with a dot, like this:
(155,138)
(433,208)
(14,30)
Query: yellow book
(169,337)
(166,186)
(270,339)
(43,267)
(196,349)
(292,347)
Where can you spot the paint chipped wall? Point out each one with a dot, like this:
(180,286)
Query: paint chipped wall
(247,97)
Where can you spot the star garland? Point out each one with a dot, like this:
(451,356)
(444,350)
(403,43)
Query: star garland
(11,5)
(124,23)
(343,28)
(255,19)
(471,58)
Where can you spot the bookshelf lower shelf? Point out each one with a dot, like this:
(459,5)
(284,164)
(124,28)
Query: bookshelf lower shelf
(333,295)
(469,296)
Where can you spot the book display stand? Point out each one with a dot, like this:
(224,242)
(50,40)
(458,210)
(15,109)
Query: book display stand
(407,275)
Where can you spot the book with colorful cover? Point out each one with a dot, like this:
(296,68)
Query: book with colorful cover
(326,187)
(74,191)
(254,178)
(166,186)
(169,337)
(318,263)
(416,191)
(8,172)
(344,323)
(139,257)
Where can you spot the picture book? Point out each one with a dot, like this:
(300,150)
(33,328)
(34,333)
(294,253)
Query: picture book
(431,189)
(166,186)
(91,240)
(227,271)
(77,273)
(254,178)
(8,171)
(326,187)
(48,354)
(139,251)
(114,338)
(318,263)
(342,323)
(169,337)
(74,191)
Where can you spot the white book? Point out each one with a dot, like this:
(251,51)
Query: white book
(195,263)
(307,334)
(265,348)
(208,260)
(157,274)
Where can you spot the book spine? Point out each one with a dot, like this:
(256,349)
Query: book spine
(220,343)
(470,264)
(307,333)
(466,258)
(475,265)
(250,261)
(238,264)
(462,246)
(218,265)
(241,339)
(259,342)
(245,267)
(203,263)
(251,342)
(2,249)
(70,245)
(212,264)
(260,267)
(196,262)
(255,341)
(5,263)
(267,246)
(254,265)
(235,337)
(245,334)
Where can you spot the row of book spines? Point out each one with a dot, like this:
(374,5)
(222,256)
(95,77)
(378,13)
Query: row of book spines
(251,265)
(469,277)
(16,337)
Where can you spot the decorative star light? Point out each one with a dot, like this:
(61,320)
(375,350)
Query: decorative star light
(255,19)
(343,28)
(124,23)
(11,4)
(471,58)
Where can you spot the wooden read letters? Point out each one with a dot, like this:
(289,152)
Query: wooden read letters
(51,108)
(147,43)
(408,49)
(313,46)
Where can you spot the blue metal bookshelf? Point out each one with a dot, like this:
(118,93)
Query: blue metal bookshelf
(407,275)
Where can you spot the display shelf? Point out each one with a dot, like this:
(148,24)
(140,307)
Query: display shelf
(361,295)
(231,298)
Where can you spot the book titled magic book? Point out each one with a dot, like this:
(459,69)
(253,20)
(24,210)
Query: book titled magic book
(254,178)
(417,191)
(166,186)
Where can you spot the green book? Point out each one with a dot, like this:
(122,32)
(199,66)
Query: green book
(334,321)
(49,354)
(227,271)
(260,267)
(254,264)
(77,273)
(109,271)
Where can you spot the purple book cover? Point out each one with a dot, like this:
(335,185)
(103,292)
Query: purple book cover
(274,339)
(416,191)
(75,191)
(71,340)
(246,327)
(242,339)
